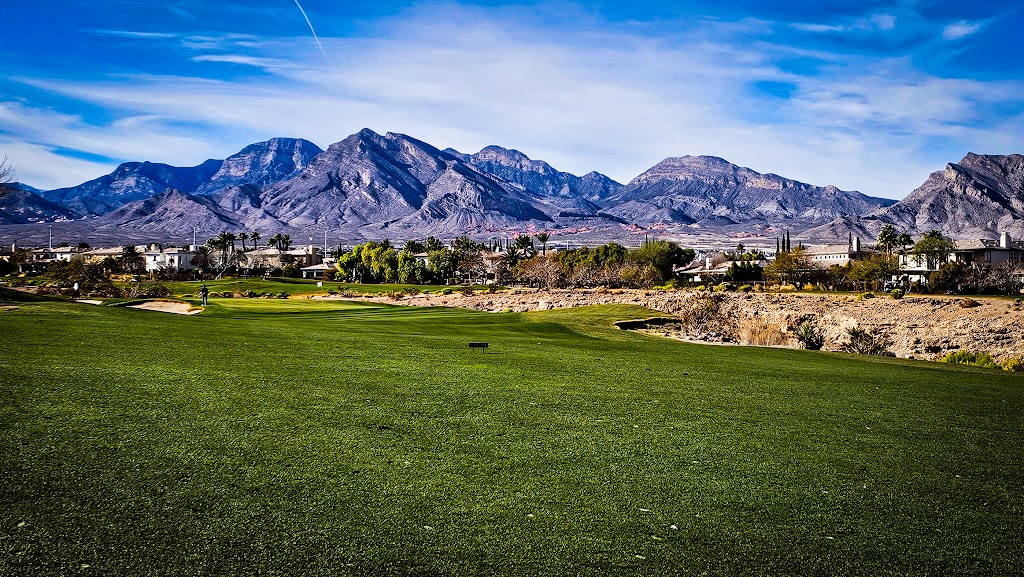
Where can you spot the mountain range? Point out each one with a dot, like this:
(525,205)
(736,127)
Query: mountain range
(394,186)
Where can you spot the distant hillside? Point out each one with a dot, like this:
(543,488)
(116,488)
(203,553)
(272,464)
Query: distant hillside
(978,197)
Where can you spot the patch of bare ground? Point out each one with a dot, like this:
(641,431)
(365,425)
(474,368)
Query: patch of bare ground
(919,327)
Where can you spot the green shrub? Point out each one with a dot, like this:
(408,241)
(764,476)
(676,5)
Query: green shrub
(467,291)
(865,343)
(864,296)
(446,291)
(745,288)
(723,287)
(809,337)
(1014,365)
(972,358)
(896,294)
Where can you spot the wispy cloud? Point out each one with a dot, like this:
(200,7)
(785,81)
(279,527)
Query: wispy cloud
(136,34)
(961,29)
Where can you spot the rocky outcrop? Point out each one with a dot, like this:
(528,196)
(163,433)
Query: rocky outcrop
(262,163)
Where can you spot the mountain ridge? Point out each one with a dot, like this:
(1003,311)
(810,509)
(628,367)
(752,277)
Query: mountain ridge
(368,185)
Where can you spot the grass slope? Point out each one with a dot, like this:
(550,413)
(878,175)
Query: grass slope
(304,438)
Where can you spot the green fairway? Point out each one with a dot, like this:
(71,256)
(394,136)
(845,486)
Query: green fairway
(291,286)
(301,437)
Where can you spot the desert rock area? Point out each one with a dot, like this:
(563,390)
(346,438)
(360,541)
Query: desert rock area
(918,327)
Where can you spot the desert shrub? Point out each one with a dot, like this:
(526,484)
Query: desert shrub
(745,288)
(1014,365)
(809,337)
(865,296)
(896,294)
(968,303)
(282,295)
(395,295)
(972,358)
(723,287)
(467,291)
(862,342)
(787,287)
(760,333)
(446,291)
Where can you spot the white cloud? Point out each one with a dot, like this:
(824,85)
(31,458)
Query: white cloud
(960,30)
(44,168)
(596,98)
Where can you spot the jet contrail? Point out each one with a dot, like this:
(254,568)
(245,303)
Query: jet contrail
(315,37)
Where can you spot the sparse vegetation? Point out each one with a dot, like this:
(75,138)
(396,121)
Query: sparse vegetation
(863,342)
(973,358)
(809,337)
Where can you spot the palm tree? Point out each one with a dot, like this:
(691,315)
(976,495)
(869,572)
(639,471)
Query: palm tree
(543,238)
(132,261)
(274,240)
(286,241)
(255,236)
(231,238)
(243,236)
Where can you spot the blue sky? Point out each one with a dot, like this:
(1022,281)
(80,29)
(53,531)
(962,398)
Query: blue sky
(869,96)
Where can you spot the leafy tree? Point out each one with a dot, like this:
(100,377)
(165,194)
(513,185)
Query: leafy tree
(432,244)
(744,271)
(410,269)
(790,266)
(875,270)
(934,249)
(414,247)
(662,255)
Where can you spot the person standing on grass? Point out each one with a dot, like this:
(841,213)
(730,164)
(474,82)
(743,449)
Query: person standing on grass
(75,289)
(203,293)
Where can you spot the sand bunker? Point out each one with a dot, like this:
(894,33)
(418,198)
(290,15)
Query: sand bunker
(168,307)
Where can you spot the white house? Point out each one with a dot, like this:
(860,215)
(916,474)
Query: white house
(160,258)
(839,254)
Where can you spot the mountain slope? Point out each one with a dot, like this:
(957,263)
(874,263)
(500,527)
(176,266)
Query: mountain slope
(172,212)
(978,197)
(129,182)
(540,180)
(394,181)
(20,205)
(262,163)
(709,191)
